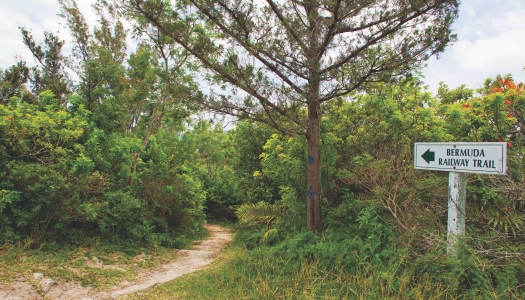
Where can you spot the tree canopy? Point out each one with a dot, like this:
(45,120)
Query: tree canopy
(281,60)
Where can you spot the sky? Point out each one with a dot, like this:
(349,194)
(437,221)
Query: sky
(491,39)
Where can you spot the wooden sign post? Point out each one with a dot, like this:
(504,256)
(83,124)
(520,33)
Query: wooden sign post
(458,159)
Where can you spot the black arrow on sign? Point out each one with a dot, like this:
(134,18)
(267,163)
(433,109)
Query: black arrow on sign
(429,156)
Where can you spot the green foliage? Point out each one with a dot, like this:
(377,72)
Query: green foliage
(447,96)
(212,157)
(257,213)
(248,140)
(494,116)
(278,63)
(50,73)
(386,221)
(108,161)
(69,151)
(41,163)
(63,179)
(12,84)
(363,261)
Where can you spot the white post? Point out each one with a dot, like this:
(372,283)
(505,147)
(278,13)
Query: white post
(457,192)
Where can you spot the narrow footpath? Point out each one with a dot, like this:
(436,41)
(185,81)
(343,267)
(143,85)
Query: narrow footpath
(188,261)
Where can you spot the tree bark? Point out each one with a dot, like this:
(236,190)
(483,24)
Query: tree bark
(313,137)
(313,128)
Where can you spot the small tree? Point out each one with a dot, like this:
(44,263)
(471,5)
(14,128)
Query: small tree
(50,73)
(140,91)
(281,60)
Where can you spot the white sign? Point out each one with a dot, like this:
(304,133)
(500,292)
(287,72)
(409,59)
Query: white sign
(486,158)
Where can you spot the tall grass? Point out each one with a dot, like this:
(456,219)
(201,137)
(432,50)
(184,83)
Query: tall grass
(357,263)
(256,274)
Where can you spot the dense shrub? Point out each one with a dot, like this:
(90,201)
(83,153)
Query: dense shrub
(385,219)
(64,180)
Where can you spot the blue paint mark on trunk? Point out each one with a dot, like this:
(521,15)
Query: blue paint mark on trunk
(310,160)
(310,194)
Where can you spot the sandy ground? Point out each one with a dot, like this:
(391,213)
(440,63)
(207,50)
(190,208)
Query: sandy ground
(188,261)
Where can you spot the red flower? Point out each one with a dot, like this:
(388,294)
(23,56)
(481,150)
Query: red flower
(508,102)
(466,106)
(509,144)
(510,116)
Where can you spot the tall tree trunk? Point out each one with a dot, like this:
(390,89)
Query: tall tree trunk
(313,138)
(313,128)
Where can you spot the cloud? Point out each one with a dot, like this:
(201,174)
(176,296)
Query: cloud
(503,50)
(488,45)
(38,16)
(470,11)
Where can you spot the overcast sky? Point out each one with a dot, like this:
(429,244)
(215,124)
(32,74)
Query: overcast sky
(491,38)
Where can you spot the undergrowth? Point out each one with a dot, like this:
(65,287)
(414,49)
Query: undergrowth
(361,262)
(263,274)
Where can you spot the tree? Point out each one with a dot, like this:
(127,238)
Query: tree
(135,98)
(158,75)
(279,61)
(97,59)
(50,73)
(12,83)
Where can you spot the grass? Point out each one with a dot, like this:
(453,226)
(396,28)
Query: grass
(243,274)
(260,273)
(95,266)
(90,266)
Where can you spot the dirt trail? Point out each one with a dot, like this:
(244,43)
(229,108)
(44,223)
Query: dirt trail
(188,261)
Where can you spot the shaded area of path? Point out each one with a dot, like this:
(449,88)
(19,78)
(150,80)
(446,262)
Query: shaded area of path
(188,261)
